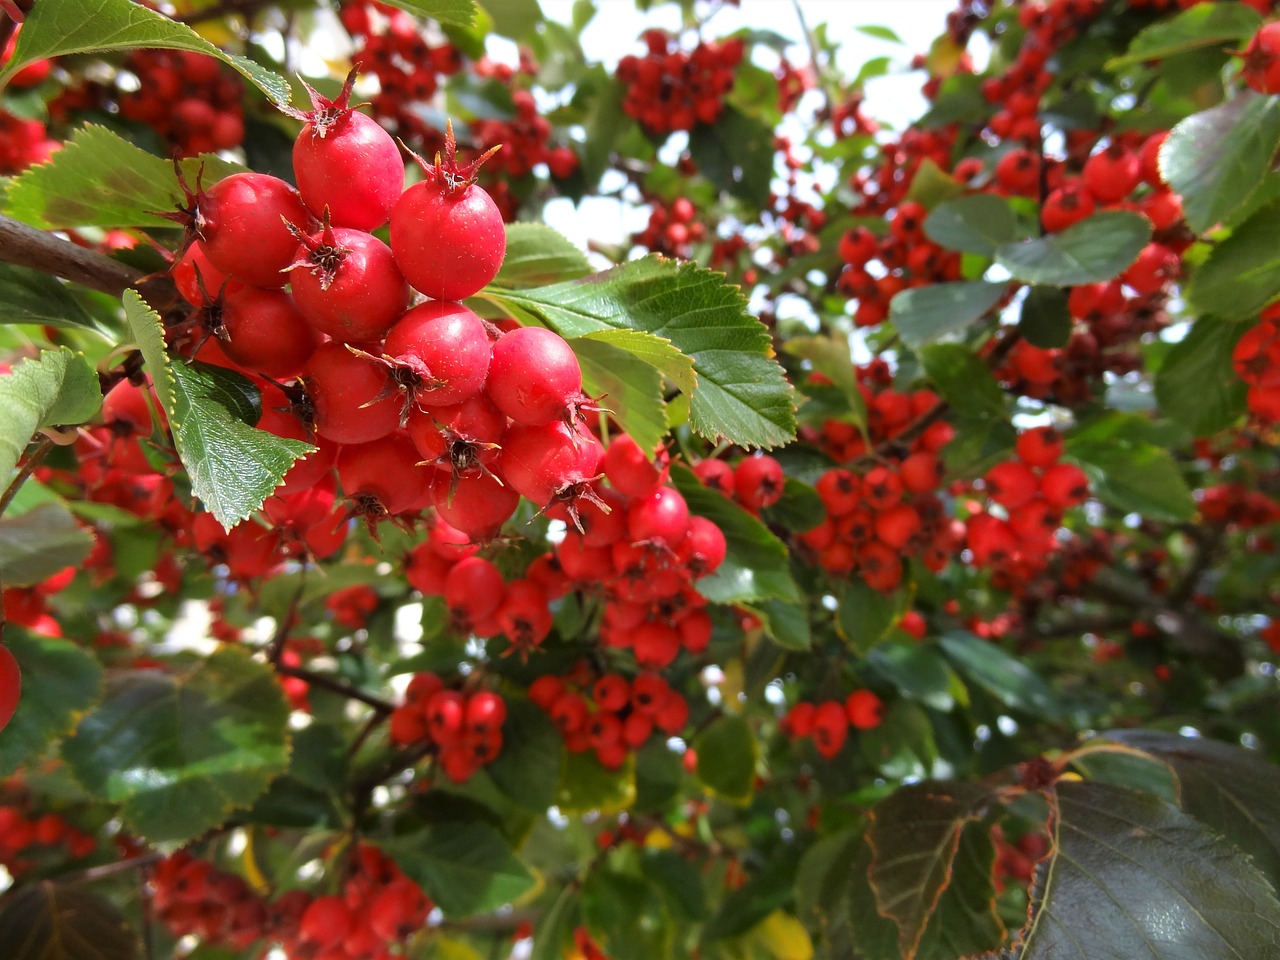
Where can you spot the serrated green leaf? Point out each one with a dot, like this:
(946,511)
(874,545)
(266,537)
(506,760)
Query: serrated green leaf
(978,223)
(924,315)
(100,179)
(459,12)
(1152,882)
(1007,679)
(1242,272)
(1217,159)
(1204,25)
(727,753)
(527,770)
(740,392)
(537,255)
(627,385)
(32,296)
(1196,384)
(51,921)
(181,751)
(1097,248)
(964,380)
(1045,321)
(59,388)
(98,26)
(1136,477)
(60,681)
(756,565)
(465,867)
(37,544)
(736,154)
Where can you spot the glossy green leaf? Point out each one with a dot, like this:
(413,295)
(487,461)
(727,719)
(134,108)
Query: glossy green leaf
(537,255)
(918,671)
(924,315)
(99,26)
(756,565)
(460,12)
(866,615)
(60,681)
(736,154)
(59,388)
(99,179)
(181,752)
(466,867)
(527,770)
(629,386)
(1216,159)
(1196,384)
(51,921)
(626,915)
(672,314)
(1212,25)
(1097,248)
(1045,321)
(1151,881)
(39,543)
(1242,272)
(1006,678)
(32,296)
(978,223)
(1136,477)
(727,753)
(964,380)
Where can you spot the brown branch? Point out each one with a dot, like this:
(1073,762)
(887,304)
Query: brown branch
(28,247)
(333,685)
(27,469)
(89,874)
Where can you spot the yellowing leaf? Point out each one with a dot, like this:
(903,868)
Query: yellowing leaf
(783,936)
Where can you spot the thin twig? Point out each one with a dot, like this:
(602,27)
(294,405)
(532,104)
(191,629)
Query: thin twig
(26,470)
(333,685)
(90,874)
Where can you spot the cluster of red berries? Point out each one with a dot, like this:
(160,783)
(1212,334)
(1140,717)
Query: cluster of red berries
(464,727)
(1257,363)
(22,143)
(192,897)
(672,230)
(190,99)
(611,716)
(525,140)
(1239,506)
(673,89)
(26,842)
(828,723)
(754,482)
(28,607)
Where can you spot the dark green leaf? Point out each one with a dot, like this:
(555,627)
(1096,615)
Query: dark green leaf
(727,752)
(1009,680)
(964,380)
(552,935)
(32,296)
(629,386)
(736,154)
(768,890)
(659,772)
(538,255)
(49,921)
(924,315)
(903,745)
(59,388)
(1136,477)
(679,880)
(95,26)
(756,565)
(1216,159)
(1196,384)
(465,867)
(60,681)
(1151,882)
(460,12)
(800,508)
(626,915)
(1243,271)
(1097,248)
(37,544)
(1127,767)
(1045,321)
(1204,25)
(527,770)
(100,179)
(786,624)
(966,919)
(865,615)
(669,314)
(918,671)
(978,223)
(180,752)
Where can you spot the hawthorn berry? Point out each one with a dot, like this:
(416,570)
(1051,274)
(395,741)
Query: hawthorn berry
(10,686)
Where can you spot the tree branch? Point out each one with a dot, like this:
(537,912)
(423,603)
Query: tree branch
(28,247)
(333,685)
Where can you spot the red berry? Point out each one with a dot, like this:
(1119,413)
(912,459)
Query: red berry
(346,283)
(758,481)
(438,353)
(1261,67)
(10,686)
(353,398)
(241,224)
(266,334)
(534,376)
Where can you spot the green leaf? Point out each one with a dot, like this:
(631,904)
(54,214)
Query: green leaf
(60,681)
(527,770)
(1045,321)
(918,671)
(1204,25)
(880,33)
(514,18)
(50,921)
(756,565)
(1009,680)
(1196,384)
(768,890)
(914,837)
(679,879)
(1217,159)
(180,752)
(799,509)
(831,356)
(552,935)
(99,179)
(587,786)
(1151,881)
(669,314)
(32,296)
(1097,248)
(865,615)
(924,315)
(1136,478)
(978,223)
(1242,272)
(98,26)
(459,12)
(727,753)
(59,388)
(626,915)
(1229,788)
(39,543)
(932,185)
(148,334)
(627,385)
(538,255)
(466,867)
(964,380)
(735,154)
(967,918)
(786,624)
